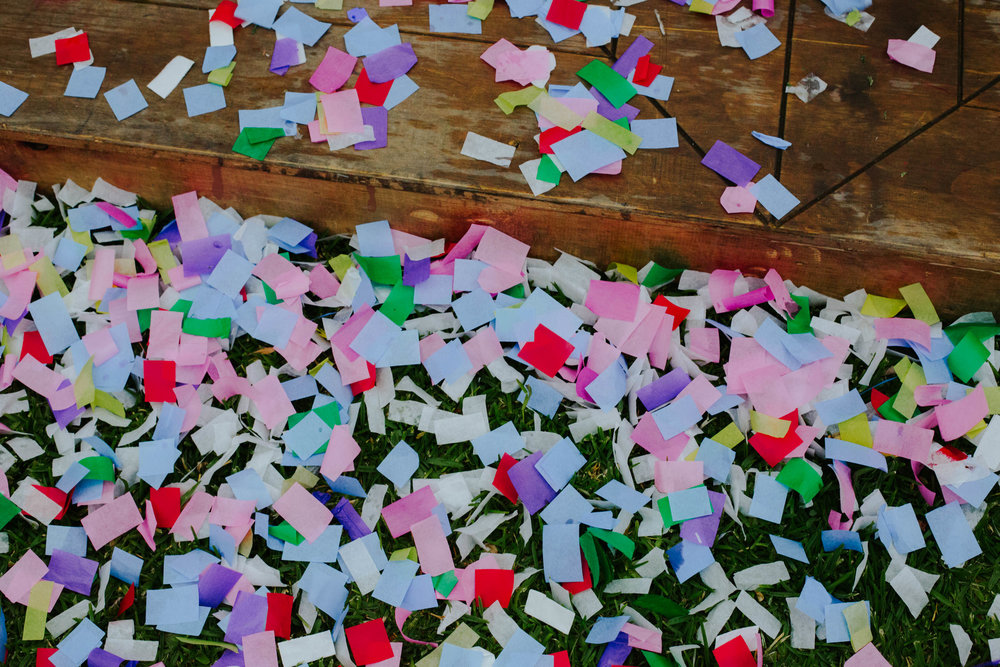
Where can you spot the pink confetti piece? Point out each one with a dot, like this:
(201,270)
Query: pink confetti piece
(112,520)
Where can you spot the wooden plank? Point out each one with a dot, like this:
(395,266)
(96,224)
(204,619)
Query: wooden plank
(413,20)
(814,259)
(426,132)
(719,93)
(987,99)
(872,102)
(934,197)
(981,60)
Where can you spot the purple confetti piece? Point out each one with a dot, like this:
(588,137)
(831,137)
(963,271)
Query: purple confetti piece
(248,617)
(609,111)
(215,583)
(662,391)
(639,47)
(286,54)
(348,517)
(415,271)
(731,164)
(201,255)
(531,487)
(378,118)
(72,571)
(390,63)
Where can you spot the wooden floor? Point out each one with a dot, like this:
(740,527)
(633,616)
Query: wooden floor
(898,171)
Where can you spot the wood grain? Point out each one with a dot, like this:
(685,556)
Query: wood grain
(981,60)
(871,103)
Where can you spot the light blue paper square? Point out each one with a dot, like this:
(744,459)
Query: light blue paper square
(125,100)
(85,82)
(203,99)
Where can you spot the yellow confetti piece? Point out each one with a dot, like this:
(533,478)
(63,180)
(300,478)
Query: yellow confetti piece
(729,436)
(993,400)
(48,279)
(38,610)
(480,9)
(223,75)
(620,136)
(340,264)
(109,403)
(517,98)
(330,4)
(857,625)
(83,238)
(303,477)
(629,273)
(83,388)
(701,6)
(905,403)
(882,306)
(977,429)
(920,304)
(856,430)
(768,425)
(555,111)
(164,258)
(11,251)
(405,554)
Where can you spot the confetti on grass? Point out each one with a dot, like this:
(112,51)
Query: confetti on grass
(229,397)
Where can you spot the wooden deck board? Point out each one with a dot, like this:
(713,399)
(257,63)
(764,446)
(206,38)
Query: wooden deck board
(981,63)
(871,102)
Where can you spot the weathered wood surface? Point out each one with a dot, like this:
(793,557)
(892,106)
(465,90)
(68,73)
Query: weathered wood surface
(896,181)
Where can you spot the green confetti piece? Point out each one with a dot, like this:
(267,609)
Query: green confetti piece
(548,171)
(181,306)
(608,82)
(399,304)
(668,519)
(270,295)
(616,541)
(982,331)
(382,270)
(967,357)
(445,583)
(661,605)
(8,510)
(99,467)
(144,316)
(801,323)
(217,327)
(657,660)
(329,413)
(252,143)
(284,531)
(590,555)
(659,275)
(194,641)
(517,291)
(799,476)
(140,231)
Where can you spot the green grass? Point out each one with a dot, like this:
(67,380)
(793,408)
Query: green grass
(961,596)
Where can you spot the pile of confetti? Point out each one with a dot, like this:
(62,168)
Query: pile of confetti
(723,404)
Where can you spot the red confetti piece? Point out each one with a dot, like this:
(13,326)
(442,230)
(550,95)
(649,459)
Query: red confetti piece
(72,49)
(547,352)
(369,642)
(159,380)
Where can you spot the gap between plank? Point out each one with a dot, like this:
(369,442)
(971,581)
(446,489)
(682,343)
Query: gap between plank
(889,151)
